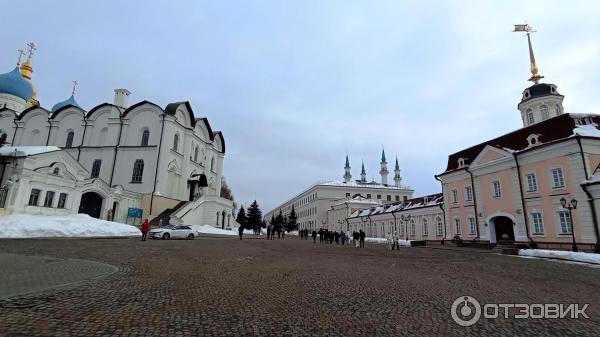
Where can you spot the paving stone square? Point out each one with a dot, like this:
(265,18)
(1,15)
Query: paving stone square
(215,286)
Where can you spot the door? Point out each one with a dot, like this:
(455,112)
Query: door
(91,204)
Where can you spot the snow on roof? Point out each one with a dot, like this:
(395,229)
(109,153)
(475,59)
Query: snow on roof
(426,201)
(595,178)
(23,151)
(363,185)
(588,130)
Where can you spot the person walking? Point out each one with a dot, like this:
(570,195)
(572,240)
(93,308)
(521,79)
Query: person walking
(314,236)
(336,236)
(355,237)
(361,236)
(343,237)
(395,243)
(389,240)
(282,234)
(269,228)
(241,231)
(321,235)
(145,229)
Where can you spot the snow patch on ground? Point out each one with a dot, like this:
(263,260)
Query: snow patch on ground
(75,225)
(401,243)
(562,255)
(208,229)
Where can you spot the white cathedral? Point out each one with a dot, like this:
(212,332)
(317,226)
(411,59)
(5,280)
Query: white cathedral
(108,160)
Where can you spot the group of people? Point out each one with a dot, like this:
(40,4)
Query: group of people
(393,241)
(272,230)
(327,236)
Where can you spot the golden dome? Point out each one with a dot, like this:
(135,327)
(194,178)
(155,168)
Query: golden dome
(26,69)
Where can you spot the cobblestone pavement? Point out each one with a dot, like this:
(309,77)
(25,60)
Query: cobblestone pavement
(227,287)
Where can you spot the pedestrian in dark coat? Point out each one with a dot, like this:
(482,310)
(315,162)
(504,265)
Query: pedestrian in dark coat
(343,237)
(321,235)
(362,236)
(314,236)
(241,231)
(336,236)
(269,232)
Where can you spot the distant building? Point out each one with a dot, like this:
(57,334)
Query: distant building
(312,205)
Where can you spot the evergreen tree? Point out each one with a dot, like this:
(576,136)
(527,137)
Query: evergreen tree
(254,215)
(241,218)
(292,221)
(273,219)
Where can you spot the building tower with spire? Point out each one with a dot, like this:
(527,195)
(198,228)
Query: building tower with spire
(347,175)
(363,174)
(397,177)
(26,71)
(540,101)
(384,171)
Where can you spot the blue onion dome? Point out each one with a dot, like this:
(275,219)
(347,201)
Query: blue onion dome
(69,101)
(13,83)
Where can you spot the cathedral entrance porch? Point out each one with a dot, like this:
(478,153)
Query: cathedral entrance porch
(502,230)
(91,204)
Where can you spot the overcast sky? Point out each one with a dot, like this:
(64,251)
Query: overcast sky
(294,85)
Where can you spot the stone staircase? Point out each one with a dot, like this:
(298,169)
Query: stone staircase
(166,214)
(508,247)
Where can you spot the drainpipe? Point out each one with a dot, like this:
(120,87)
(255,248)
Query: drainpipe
(157,161)
(116,150)
(12,143)
(370,223)
(85,125)
(437,177)
(347,216)
(532,243)
(590,199)
(49,130)
(474,201)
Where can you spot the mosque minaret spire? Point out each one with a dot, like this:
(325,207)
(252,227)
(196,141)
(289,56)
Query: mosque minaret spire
(397,177)
(384,171)
(347,175)
(363,174)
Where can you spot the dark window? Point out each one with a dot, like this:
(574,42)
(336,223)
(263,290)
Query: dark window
(49,199)
(33,197)
(347,195)
(70,136)
(368,196)
(138,171)
(96,168)
(389,198)
(405,198)
(196,154)
(56,171)
(145,136)
(378,196)
(176,142)
(62,200)
(3,139)
(397,198)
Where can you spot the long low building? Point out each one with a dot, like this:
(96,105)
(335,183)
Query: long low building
(312,204)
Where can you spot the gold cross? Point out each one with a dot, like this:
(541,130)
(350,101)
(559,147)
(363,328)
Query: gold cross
(74,86)
(32,48)
(21,54)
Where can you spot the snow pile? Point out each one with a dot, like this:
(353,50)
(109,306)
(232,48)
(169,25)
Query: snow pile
(208,229)
(562,255)
(404,243)
(588,130)
(75,225)
(401,243)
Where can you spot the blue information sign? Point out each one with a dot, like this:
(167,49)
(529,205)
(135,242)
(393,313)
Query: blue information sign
(134,213)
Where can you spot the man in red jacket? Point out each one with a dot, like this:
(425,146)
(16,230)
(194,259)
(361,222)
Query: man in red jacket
(145,229)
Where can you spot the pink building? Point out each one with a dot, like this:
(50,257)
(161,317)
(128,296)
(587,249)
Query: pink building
(509,189)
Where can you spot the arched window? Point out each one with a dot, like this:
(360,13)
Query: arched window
(196,154)
(557,109)
(212,164)
(530,118)
(545,112)
(413,228)
(145,137)
(176,142)
(425,229)
(440,226)
(69,142)
(56,171)
(138,171)
(3,139)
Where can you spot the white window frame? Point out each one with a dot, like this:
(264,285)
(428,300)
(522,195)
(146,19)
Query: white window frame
(565,224)
(468,193)
(457,227)
(553,178)
(425,224)
(496,192)
(545,112)
(440,226)
(537,222)
(531,181)
(413,227)
(530,117)
(455,196)
(472,225)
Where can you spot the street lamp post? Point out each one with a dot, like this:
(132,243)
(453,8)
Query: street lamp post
(405,221)
(570,206)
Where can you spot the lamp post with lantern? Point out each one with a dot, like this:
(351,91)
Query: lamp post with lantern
(405,220)
(570,206)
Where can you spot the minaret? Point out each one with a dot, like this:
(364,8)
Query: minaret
(541,101)
(384,171)
(397,178)
(363,174)
(347,175)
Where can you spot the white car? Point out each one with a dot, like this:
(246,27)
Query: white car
(173,232)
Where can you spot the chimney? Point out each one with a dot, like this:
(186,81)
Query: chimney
(121,96)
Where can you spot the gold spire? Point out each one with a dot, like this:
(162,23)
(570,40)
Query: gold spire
(26,70)
(535,75)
